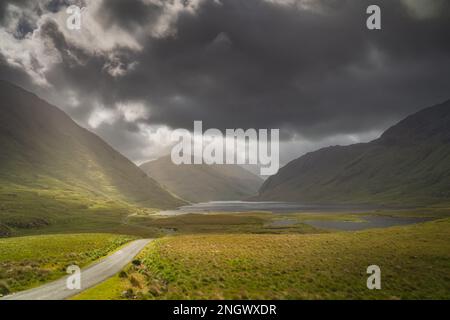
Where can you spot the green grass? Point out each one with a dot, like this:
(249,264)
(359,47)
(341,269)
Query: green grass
(27,262)
(31,210)
(414,261)
(111,289)
(221,223)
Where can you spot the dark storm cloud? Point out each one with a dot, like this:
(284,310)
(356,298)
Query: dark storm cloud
(128,14)
(26,23)
(316,72)
(14,75)
(57,5)
(5,3)
(259,64)
(71,55)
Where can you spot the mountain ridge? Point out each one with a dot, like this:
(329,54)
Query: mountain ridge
(202,183)
(49,163)
(408,164)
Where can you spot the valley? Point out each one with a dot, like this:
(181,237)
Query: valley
(221,232)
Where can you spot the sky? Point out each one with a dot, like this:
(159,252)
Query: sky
(138,69)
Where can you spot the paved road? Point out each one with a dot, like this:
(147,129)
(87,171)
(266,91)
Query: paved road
(90,276)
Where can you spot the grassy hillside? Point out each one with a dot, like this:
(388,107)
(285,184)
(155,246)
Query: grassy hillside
(409,165)
(49,164)
(414,262)
(201,183)
(27,262)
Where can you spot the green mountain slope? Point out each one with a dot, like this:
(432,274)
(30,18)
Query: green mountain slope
(408,165)
(50,164)
(200,183)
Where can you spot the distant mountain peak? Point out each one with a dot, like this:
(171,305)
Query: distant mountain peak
(408,165)
(202,182)
(427,124)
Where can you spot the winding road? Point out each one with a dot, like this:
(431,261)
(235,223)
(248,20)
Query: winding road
(91,276)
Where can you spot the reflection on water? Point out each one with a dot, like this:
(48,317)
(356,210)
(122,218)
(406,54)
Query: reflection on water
(368,223)
(372,221)
(246,206)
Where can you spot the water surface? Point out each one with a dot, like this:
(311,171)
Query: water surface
(368,222)
(274,207)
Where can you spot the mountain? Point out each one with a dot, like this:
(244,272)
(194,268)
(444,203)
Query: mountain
(49,163)
(408,165)
(201,182)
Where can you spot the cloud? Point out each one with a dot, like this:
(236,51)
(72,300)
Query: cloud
(423,9)
(129,112)
(310,68)
(133,111)
(102,115)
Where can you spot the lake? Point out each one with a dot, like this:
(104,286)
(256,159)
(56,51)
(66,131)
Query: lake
(274,207)
(369,221)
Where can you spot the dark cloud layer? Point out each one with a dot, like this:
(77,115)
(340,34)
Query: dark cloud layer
(128,14)
(316,72)
(258,64)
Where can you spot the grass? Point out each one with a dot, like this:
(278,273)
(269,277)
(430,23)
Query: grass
(26,262)
(414,261)
(29,211)
(234,223)
(115,288)
(49,206)
(36,209)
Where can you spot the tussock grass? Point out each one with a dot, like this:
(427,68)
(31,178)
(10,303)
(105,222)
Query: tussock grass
(414,260)
(27,262)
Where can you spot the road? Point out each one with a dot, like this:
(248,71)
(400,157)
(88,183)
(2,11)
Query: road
(92,275)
